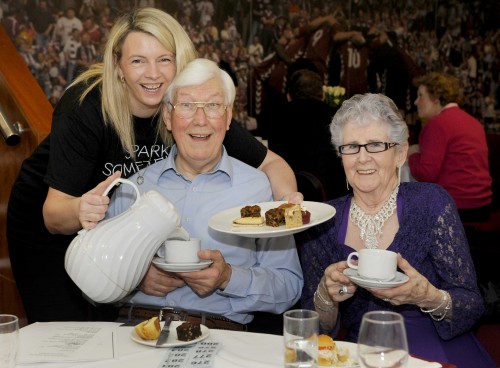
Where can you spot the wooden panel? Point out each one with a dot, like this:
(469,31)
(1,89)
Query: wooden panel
(22,100)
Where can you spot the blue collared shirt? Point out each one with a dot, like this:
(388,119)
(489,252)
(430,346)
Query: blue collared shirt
(266,273)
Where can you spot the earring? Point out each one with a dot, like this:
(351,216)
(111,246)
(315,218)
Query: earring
(122,79)
(399,175)
(347,183)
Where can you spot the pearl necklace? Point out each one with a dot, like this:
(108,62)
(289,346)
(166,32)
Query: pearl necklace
(370,226)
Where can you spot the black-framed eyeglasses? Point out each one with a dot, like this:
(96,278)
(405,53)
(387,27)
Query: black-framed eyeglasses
(187,110)
(372,147)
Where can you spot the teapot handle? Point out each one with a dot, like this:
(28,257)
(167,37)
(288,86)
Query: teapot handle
(124,181)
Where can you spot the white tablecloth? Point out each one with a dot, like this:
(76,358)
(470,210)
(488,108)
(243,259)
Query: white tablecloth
(239,349)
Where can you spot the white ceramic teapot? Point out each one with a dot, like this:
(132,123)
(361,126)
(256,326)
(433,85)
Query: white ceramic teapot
(109,261)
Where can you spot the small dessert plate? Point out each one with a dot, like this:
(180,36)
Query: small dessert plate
(400,279)
(352,362)
(180,267)
(223,221)
(172,337)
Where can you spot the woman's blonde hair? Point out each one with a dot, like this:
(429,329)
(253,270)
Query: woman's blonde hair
(114,103)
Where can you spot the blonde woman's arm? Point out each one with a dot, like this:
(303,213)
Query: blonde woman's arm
(282,178)
(66,214)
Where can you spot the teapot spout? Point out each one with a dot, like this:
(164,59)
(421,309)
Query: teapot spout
(179,234)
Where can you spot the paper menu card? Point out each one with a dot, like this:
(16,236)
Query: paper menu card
(200,355)
(66,342)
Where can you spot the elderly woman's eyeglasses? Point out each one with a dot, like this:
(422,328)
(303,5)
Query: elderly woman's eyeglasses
(372,147)
(186,110)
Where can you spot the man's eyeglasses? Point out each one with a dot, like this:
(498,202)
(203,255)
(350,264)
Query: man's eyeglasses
(186,110)
(372,147)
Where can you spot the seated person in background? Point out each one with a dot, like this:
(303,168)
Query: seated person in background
(440,302)
(452,149)
(301,135)
(200,179)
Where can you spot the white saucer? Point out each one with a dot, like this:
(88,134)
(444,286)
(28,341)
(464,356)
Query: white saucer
(172,337)
(180,267)
(400,279)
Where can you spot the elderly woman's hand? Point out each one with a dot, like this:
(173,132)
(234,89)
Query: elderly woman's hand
(337,284)
(418,290)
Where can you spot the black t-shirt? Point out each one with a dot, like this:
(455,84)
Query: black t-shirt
(310,119)
(81,152)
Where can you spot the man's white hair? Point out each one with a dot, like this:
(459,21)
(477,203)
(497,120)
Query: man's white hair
(198,72)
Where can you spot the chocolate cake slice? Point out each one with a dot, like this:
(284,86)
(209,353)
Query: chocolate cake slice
(188,331)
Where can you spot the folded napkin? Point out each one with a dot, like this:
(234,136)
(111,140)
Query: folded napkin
(419,363)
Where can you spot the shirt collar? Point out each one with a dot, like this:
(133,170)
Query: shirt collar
(224,165)
(451,104)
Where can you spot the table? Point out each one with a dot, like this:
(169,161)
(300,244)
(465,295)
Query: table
(239,349)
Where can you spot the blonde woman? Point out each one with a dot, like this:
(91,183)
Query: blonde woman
(105,125)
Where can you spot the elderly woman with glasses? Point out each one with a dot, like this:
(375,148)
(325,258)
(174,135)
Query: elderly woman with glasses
(436,288)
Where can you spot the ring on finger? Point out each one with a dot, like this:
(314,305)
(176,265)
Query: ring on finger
(386,300)
(343,290)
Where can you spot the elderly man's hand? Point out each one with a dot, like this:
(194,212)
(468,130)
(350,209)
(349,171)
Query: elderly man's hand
(159,283)
(216,276)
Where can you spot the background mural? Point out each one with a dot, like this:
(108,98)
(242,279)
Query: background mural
(363,45)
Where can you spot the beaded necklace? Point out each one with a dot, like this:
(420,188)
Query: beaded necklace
(370,226)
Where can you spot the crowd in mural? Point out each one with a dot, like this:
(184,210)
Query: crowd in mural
(59,38)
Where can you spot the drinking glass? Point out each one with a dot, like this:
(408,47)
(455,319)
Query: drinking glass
(300,332)
(9,340)
(382,340)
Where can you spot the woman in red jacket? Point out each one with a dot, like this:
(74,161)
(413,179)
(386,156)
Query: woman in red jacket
(452,149)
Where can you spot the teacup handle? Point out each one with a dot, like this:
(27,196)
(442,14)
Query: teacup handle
(349,263)
(124,181)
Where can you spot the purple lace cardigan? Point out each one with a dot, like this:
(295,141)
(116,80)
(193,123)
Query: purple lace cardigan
(431,237)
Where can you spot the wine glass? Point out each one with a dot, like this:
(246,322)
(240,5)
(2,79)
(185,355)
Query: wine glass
(382,340)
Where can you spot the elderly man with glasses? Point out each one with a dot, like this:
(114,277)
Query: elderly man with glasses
(200,179)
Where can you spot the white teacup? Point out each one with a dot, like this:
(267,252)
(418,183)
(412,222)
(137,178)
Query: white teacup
(181,251)
(375,264)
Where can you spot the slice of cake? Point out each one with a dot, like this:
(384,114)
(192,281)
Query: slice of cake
(249,221)
(293,216)
(250,211)
(188,331)
(275,217)
(250,216)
